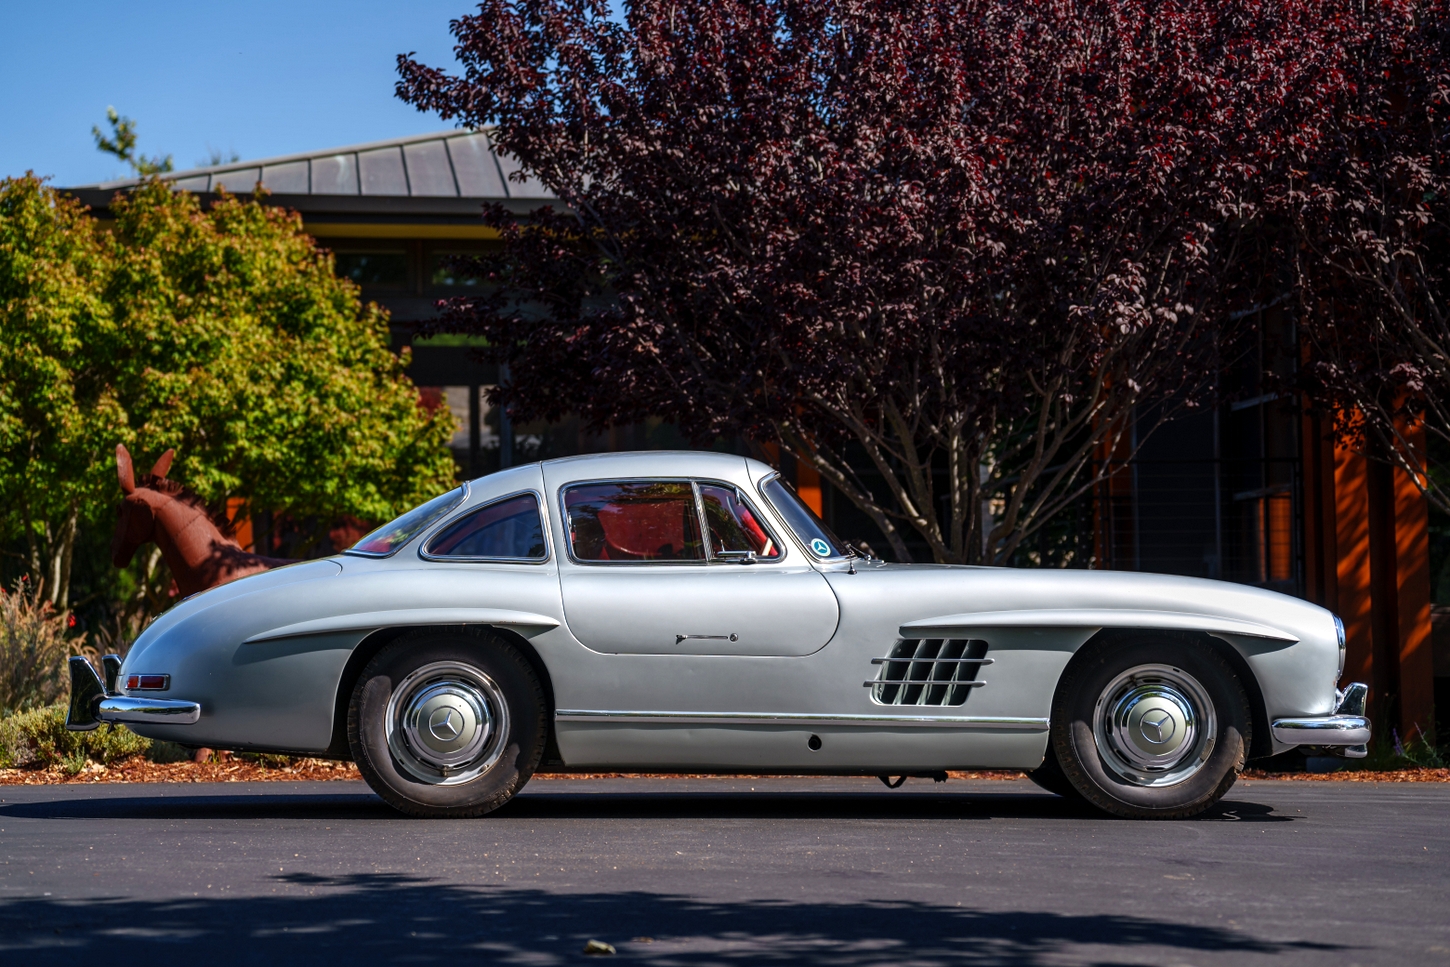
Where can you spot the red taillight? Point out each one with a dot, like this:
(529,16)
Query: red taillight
(153,683)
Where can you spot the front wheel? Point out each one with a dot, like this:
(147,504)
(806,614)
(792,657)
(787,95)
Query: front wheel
(1151,727)
(447,725)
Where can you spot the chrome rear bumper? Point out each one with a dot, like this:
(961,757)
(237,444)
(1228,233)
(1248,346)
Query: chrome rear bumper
(92,702)
(1346,732)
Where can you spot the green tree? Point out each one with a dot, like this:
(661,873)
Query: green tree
(222,332)
(57,409)
(122,144)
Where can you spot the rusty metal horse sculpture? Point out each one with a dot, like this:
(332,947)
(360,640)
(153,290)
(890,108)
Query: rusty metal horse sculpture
(199,555)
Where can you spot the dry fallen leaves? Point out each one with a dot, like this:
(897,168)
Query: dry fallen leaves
(143,770)
(242,770)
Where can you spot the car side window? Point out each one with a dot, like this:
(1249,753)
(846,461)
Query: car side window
(733,528)
(505,530)
(633,520)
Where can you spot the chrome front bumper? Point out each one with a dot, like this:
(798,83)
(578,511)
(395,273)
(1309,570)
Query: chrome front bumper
(93,702)
(1345,733)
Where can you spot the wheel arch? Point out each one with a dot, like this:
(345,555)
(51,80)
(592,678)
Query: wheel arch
(1261,742)
(376,641)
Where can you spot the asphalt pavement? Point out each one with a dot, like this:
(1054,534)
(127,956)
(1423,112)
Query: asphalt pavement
(722,871)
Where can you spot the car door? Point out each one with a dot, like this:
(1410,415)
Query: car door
(685,567)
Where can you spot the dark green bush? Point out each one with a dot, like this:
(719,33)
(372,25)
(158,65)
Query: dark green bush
(39,739)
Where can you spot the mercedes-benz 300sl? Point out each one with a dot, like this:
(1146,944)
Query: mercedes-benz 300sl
(686,611)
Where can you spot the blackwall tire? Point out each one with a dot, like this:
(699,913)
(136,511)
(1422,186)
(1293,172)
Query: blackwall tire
(1050,776)
(447,725)
(1151,726)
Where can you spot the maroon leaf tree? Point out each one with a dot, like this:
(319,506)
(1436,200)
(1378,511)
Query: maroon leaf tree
(1371,244)
(941,251)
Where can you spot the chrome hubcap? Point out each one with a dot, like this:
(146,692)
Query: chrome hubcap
(447,722)
(1154,725)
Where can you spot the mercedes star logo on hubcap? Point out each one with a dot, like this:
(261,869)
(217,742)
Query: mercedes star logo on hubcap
(441,724)
(1157,726)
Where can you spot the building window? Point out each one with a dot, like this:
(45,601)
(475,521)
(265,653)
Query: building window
(374,269)
(449,278)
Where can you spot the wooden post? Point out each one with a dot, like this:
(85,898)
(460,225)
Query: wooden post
(1412,558)
(1355,600)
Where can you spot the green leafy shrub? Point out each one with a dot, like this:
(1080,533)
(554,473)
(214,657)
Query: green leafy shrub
(162,751)
(1388,752)
(39,739)
(33,650)
(1417,751)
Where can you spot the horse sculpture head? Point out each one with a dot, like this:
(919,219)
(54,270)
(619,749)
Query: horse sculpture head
(198,552)
(137,523)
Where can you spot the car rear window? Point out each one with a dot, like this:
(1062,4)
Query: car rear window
(394,534)
(633,520)
(504,530)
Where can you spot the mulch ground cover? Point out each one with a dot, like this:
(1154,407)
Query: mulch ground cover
(242,770)
(218,770)
(1356,775)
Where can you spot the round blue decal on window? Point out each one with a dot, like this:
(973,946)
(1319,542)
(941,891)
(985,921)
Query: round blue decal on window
(821,547)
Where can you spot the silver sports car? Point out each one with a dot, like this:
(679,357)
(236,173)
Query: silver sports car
(687,612)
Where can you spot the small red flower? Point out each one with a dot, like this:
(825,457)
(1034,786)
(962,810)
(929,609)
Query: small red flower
(70,621)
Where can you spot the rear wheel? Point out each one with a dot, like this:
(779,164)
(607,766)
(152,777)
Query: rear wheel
(1151,727)
(447,725)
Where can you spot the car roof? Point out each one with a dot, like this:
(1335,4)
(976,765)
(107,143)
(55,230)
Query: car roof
(654,463)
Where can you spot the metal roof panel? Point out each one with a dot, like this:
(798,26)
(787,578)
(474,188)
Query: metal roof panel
(448,164)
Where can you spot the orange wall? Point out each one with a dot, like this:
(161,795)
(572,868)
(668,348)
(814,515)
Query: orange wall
(1376,578)
(241,522)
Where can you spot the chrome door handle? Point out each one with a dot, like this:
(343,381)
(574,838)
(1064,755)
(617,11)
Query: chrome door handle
(680,638)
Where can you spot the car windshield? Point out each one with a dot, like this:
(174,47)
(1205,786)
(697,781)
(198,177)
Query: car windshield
(394,534)
(814,534)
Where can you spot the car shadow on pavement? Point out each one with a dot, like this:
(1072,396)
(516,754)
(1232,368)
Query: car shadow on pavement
(550,804)
(576,801)
(402,917)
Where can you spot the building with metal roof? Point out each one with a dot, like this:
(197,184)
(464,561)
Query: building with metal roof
(392,212)
(436,175)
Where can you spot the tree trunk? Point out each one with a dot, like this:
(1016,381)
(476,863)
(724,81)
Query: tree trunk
(56,581)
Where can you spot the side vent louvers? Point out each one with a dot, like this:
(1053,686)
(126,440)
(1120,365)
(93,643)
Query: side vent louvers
(929,671)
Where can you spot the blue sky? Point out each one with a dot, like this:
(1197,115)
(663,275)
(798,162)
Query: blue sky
(260,78)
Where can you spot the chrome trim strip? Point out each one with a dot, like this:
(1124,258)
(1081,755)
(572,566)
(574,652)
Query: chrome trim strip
(971,624)
(523,621)
(803,718)
(140,711)
(1323,730)
(938,661)
(974,683)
